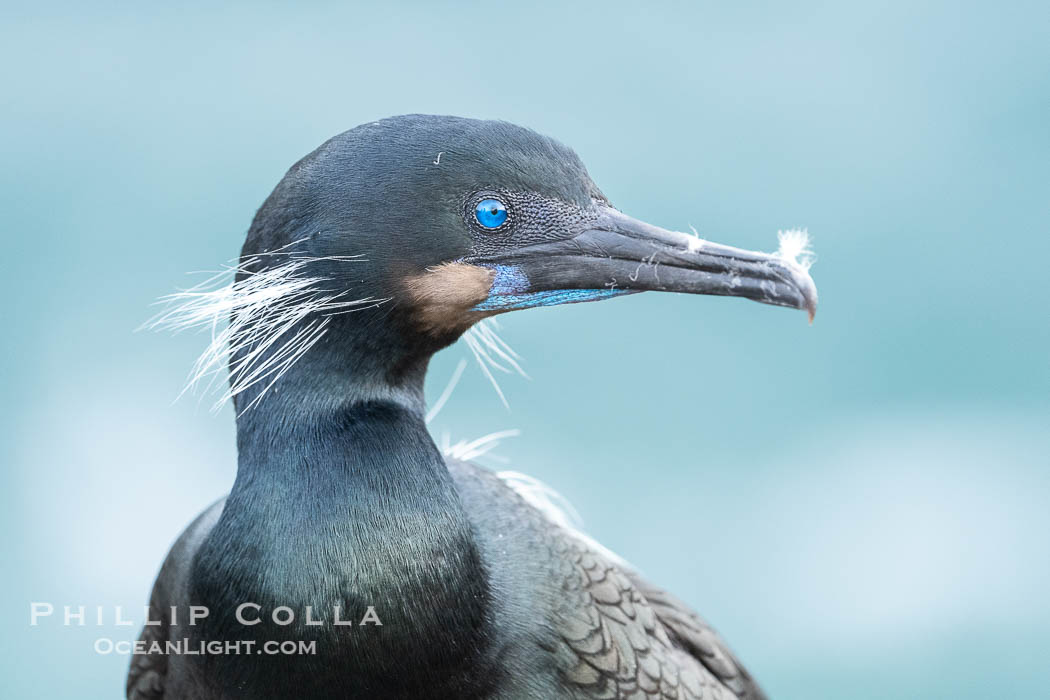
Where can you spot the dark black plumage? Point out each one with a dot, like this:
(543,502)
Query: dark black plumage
(342,499)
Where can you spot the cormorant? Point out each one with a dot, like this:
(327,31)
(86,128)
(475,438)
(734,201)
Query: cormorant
(420,576)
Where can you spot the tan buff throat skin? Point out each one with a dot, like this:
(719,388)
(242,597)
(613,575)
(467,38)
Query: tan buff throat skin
(443,298)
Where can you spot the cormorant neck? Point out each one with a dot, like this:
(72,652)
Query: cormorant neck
(349,506)
(343,502)
(364,356)
(355,361)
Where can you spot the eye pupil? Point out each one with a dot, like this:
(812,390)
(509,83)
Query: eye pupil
(490,213)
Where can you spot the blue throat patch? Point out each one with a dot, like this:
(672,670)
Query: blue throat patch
(509,292)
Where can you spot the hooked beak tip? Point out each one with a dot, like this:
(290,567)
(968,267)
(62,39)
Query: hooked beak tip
(809,298)
(805,287)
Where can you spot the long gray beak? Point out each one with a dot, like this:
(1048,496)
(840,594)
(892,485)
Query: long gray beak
(617,254)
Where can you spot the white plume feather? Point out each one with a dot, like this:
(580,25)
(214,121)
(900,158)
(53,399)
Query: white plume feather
(795,247)
(261,324)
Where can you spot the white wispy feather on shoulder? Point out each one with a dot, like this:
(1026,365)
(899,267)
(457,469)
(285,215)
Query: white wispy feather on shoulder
(260,324)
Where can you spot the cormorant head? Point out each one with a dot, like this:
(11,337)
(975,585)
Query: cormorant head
(442,221)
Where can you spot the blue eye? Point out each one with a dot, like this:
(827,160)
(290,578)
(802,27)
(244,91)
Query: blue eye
(490,213)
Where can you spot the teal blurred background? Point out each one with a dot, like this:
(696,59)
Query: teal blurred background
(861,506)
